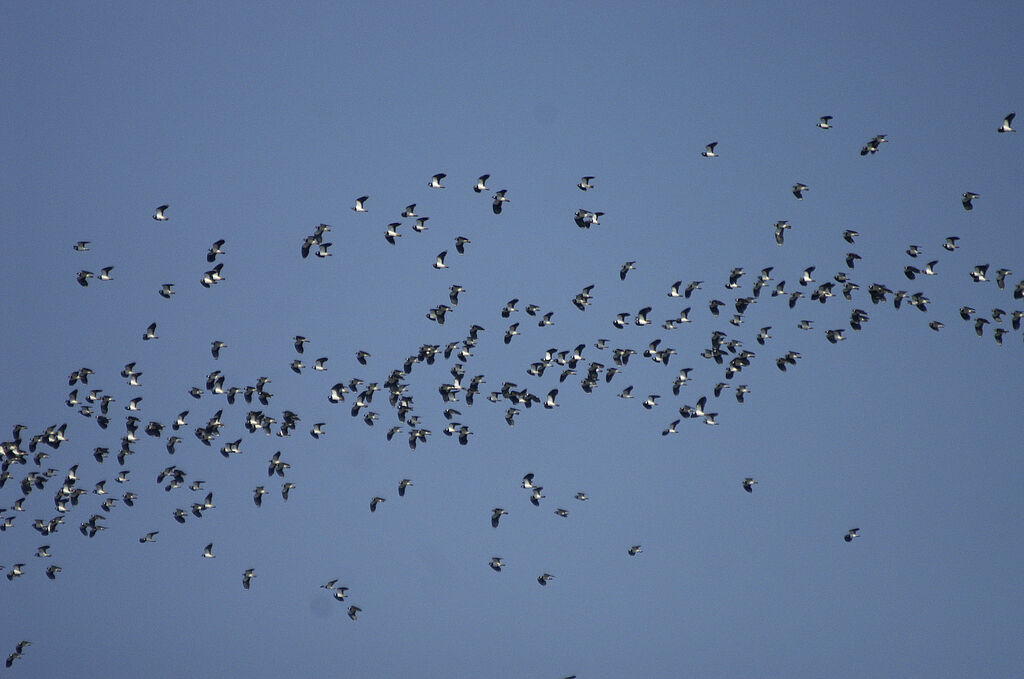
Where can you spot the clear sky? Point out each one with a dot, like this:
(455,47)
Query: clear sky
(256,123)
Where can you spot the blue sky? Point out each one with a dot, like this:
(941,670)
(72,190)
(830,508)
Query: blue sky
(257,123)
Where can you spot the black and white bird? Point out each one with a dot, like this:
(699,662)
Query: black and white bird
(748,484)
(825,122)
(585,184)
(1007,121)
(360,205)
(481,183)
(709,150)
(851,534)
(498,200)
(780,231)
(435,181)
(966,199)
(159,214)
(798,190)
(873,144)
(439,263)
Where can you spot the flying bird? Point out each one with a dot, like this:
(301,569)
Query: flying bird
(499,199)
(1007,121)
(360,204)
(159,214)
(435,181)
(709,150)
(825,122)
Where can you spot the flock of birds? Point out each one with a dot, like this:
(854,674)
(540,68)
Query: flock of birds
(592,364)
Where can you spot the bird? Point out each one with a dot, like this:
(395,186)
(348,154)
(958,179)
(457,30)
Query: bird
(979,273)
(409,212)
(208,551)
(496,514)
(150,333)
(543,578)
(84,276)
(354,610)
(550,402)
(391,233)
(825,122)
(435,181)
(634,550)
(748,484)
(215,347)
(81,246)
(360,205)
(966,199)
(849,235)
(709,150)
(511,332)
(872,145)
(439,263)
(402,485)
(499,198)
(626,268)
(585,184)
(497,563)
(950,243)
(148,537)
(159,214)
(460,244)
(780,230)
(481,183)
(215,249)
(166,290)
(798,190)
(851,534)
(374,501)
(528,481)
(562,512)
(247,577)
(1007,121)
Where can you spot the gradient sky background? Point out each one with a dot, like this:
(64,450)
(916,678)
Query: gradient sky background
(256,123)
